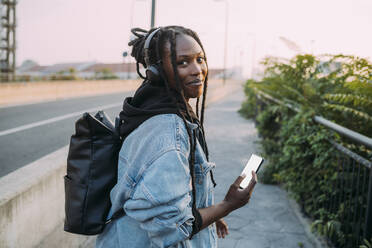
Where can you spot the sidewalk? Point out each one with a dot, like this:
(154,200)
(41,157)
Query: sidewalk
(268,220)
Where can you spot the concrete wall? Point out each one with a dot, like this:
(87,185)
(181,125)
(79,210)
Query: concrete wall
(21,93)
(32,205)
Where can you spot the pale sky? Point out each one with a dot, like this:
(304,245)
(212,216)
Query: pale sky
(57,31)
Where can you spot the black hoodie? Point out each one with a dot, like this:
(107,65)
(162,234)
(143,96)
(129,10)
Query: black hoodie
(150,100)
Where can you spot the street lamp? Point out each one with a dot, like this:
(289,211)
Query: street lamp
(226,33)
(153,4)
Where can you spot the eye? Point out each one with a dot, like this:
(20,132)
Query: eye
(182,62)
(200,59)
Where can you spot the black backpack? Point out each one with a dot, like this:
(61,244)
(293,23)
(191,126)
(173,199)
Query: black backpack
(91,173)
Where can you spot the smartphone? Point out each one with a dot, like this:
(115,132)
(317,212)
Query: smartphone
(253,164)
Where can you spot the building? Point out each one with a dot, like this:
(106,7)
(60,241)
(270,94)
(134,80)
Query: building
(31,71)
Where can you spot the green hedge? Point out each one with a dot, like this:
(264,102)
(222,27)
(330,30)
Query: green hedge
(299,154)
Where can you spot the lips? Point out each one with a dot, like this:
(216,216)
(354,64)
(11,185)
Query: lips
(195,82)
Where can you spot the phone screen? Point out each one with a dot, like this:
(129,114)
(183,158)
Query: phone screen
(253,164)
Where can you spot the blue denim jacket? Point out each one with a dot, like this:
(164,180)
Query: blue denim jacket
(154,187)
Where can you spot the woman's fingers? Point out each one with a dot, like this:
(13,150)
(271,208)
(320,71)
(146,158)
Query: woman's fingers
(239,180)
(225,229)
(221,232)
(252,183)
(218,232)
(222,228)
(235,197)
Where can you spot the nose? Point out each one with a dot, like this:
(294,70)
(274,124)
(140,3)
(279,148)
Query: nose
(196,69)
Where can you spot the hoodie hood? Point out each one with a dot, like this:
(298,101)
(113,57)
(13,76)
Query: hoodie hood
(150,100)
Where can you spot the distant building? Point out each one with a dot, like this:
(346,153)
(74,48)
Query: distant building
(85,70)
(121,70)
(235,72)
(215,73)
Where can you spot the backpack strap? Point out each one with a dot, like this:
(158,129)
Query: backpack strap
(116,215)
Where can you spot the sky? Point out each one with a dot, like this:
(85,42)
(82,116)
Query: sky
(60,31)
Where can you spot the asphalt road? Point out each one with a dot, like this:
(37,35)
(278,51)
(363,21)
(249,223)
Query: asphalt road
(28,132)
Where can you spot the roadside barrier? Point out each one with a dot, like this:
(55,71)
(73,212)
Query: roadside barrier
(32,205)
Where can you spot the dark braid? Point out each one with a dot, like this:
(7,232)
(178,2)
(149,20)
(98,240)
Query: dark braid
(176,75)
(197,106)
(196,37)
(192,136)
(159,51)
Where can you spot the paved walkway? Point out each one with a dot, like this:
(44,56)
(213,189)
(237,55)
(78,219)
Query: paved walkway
(268,220)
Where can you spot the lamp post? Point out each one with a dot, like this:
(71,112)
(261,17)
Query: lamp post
(153,5)
(226,33)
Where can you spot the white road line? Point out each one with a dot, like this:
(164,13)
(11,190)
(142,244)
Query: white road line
(58,118)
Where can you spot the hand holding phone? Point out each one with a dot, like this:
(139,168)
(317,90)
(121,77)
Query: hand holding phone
(237,198)
(253,164)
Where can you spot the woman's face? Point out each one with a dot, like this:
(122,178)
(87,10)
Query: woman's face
(191,66)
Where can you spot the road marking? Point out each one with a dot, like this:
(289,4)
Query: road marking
(58,118)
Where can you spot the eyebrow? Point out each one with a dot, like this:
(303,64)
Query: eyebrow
(190,55)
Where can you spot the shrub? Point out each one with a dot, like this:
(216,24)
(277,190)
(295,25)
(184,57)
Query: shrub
(298,152)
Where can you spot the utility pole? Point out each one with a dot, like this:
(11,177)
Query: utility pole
(153,13)
(226,34)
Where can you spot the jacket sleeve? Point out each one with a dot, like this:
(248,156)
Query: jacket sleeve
(161,201)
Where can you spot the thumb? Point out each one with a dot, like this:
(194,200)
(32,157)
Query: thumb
(238,180)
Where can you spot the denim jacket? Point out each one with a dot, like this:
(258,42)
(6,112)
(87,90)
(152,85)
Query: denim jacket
(154,187)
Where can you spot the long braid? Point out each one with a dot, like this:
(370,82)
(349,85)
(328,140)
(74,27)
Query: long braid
(196,37)
(159,51)
(138,71)
(173,53)
(197,106)
(192,136)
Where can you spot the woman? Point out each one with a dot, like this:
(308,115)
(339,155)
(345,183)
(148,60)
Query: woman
(165,181)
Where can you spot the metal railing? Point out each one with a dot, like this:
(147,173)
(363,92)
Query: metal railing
(351,199)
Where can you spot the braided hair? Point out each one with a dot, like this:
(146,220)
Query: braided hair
(156,50)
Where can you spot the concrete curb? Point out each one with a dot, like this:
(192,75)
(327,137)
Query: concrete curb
(30,201)
(32,205)
(317,241)
(15,94)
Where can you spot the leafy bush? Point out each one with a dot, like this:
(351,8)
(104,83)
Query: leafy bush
(367,244)
(298,151)
(105,74)
(248,109)
(338,88)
